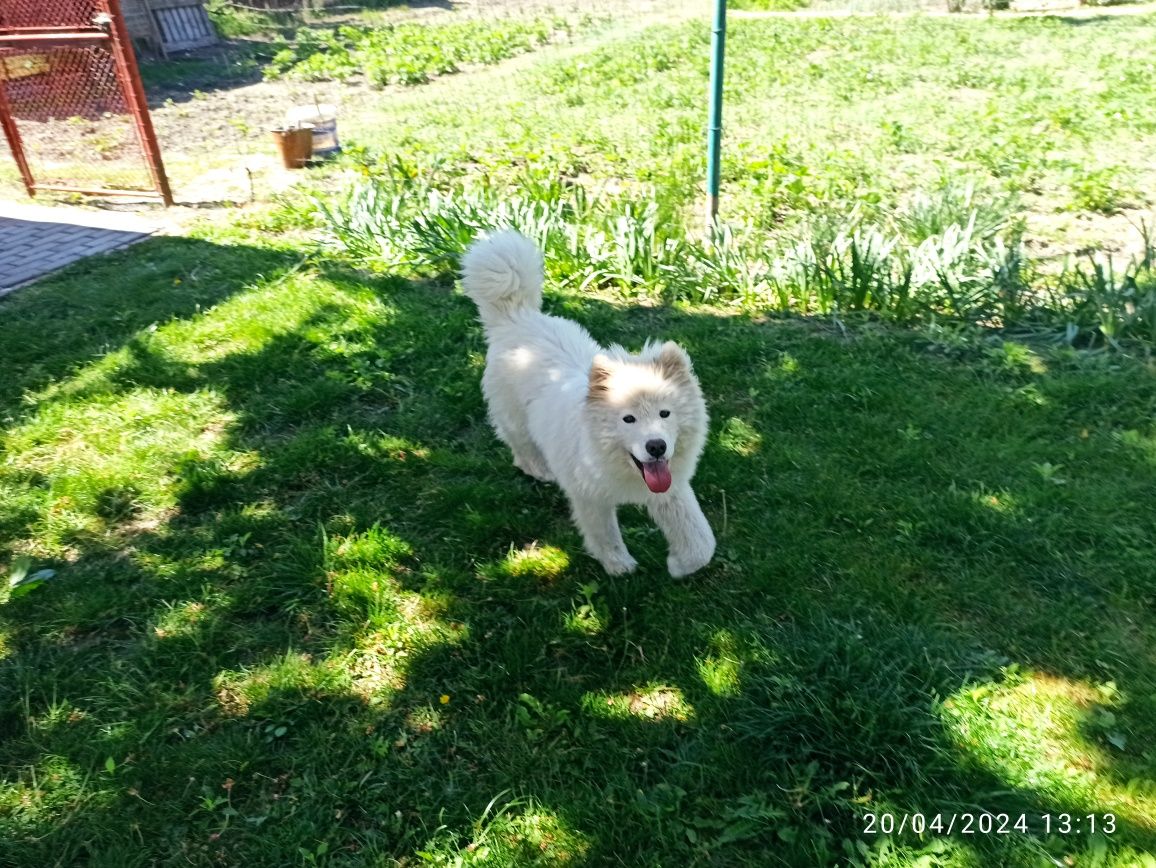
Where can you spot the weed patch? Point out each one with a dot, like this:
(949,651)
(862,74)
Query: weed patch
(916,269)
(408,54)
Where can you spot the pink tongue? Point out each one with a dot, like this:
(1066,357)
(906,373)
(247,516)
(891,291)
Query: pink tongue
(657,476)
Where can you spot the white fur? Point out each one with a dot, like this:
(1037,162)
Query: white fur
(559,400)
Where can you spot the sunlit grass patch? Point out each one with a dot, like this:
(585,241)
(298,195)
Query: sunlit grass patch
(1142,442)
(1062,738)
(247,322)
(375,548)
(721,668)
(377,666)
(1105,190)
(740,437)
(238,691)
(401,626)
(268,307)
(98,376)
(410,53)
(43,794)
(387,446)
(784,368)
(362,573)
(118,458)
(540,561)
(1002,502)
(181,619)
(589,615)
(1017,357)
(516,832)
(660,702)
(544,563)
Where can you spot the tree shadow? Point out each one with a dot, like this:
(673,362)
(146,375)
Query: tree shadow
(430,4)
(1084,20)
(374,625)
(226,66)
(98,304)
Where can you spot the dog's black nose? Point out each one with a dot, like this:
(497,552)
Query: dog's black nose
(657,448)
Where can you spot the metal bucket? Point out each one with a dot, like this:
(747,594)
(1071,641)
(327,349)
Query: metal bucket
(294,145)
(323,118)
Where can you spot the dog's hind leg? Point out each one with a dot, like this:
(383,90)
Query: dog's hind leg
(527,456)
(509,420)
(598,523)
(686,529)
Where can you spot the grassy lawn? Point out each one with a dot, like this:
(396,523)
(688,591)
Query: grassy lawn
(304,611)
(1048,117)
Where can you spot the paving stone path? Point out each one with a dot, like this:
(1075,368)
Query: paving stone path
(36,240)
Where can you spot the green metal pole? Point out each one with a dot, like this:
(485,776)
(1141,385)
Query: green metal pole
(714,132)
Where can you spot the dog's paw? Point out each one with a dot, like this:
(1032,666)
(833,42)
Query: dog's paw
(618,564)
(687,562)
(684,566)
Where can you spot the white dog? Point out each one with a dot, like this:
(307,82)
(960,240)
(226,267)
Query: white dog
(608,426)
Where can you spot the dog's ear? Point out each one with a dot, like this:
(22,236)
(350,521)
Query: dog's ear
(673,362)
(599,383)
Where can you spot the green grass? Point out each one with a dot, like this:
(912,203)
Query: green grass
(820,115)
(301,609)
(912,166)
(239,21)
(304,608)
(770,5)
(236,64)
(407,53)
(942,256)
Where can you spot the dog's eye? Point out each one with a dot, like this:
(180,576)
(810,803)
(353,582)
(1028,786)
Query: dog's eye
(629,420)
(663,413)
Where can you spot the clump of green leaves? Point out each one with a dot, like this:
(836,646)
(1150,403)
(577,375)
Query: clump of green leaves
(236,21)
(1106,191)
(770,5)
(1112,301)
(945,256)
(408,53)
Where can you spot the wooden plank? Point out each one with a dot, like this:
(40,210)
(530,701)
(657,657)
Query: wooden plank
(185,27)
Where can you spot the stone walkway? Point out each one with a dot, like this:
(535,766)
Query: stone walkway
(36,240)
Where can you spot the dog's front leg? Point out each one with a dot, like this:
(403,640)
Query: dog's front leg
(598,522)
(686,529)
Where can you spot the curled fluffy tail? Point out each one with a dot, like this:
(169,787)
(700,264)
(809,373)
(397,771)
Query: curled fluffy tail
(503,274)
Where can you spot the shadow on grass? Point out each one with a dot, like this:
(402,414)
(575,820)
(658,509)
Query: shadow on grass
(1106,17)
(180,78)
(98,304)
(356,624)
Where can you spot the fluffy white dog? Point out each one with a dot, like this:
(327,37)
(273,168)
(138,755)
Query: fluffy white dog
(608,426)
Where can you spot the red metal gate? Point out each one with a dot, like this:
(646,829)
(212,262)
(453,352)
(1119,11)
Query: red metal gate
(71,101)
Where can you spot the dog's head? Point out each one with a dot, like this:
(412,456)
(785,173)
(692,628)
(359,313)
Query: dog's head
(649,411)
